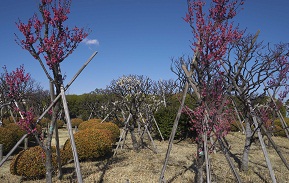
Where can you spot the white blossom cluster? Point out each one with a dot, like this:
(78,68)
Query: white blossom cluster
(128,83)
(154,102)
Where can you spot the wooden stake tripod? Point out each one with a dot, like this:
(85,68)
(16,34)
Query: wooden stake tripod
(151,115)
(123,135)
(125,132)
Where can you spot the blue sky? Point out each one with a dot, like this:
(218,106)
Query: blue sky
(131,37)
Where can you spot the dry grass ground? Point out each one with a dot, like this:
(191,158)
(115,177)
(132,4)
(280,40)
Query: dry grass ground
(145,166)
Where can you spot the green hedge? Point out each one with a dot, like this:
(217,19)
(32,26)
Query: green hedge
(165,118)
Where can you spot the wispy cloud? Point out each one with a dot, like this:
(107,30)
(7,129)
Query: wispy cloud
(90,41)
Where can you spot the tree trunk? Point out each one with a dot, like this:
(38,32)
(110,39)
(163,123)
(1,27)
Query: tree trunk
(245,158)
(48,149)
(133,138)
(200,159)
(49,168)
(52,96)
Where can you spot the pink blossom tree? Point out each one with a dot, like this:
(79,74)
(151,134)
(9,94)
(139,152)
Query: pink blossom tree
(215,41)
(15,88)
(48,40)
(213,68)
(213,32)
(19,91)
(15,82)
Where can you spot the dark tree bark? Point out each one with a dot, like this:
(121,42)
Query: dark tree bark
(246,151)
(200,160)
(133,137)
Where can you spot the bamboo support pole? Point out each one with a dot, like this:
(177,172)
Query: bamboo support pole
(239,118)
(123,134)
(149,134)
(158,128)
(231,164)
(26,143)
(126,130)
(70,131)
(275,146)
(172,136)
(263,146)
(207,161)
(80,70)
(106,116)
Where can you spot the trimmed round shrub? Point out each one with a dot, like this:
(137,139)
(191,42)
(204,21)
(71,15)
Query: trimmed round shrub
(88,124)
(90,143)
(105,125)
(9,120)
(76,122)
(60,123)
(278,122)
(17,131)
(7,138)
(278,129)
(30,163)
(43,122)
(111,127)
(96,120)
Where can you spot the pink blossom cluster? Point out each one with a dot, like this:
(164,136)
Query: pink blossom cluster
(213,115)
(213,33)
(280,77)
(53,40)
(28,123)
(15,82)
(27,31)
(265,118)
(283,94)
(217,125)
